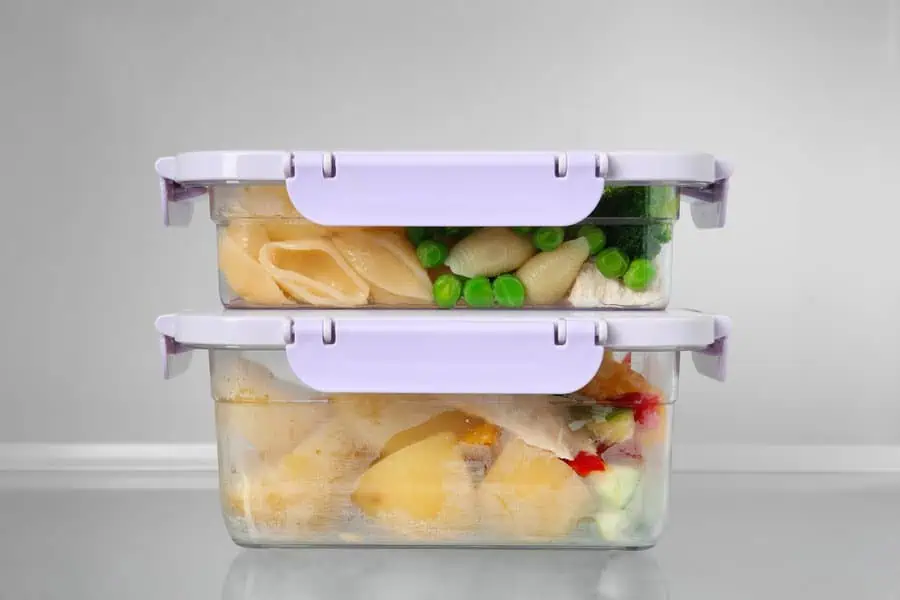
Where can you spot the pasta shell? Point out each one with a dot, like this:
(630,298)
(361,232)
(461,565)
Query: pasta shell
(297,228)
(382,297)
(239,245)
(376,418)
(489,252)
(272,430)
(313,271)
(387,261)
(265,201)
(549,275)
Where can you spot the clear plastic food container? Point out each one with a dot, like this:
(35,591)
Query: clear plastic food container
(448,230)
(400,427)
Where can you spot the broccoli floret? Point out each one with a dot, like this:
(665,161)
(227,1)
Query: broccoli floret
(662,232)
(651,206)
(630,201)
(636,241)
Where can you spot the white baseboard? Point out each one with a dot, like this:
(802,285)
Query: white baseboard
(201,458)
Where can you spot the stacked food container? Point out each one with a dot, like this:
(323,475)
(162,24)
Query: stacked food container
(445,348)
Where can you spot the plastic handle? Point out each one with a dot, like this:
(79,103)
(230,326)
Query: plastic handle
(445,188)
(448,357)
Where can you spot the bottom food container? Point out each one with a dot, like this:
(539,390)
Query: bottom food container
(399,429)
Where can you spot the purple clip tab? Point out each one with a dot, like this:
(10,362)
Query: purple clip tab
(176,210)
(708,204)
(176,357)
(712,361)
(446,188)
(423,356)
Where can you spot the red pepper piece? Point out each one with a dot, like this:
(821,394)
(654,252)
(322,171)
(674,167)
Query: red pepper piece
(643,404)
(585,463)
(627,360)
(633,400)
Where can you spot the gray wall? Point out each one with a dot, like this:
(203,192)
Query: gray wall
(801,95)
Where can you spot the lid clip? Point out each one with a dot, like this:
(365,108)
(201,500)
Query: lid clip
(709,203)
(434,356)
(712,361)
(176,209)
(436,189)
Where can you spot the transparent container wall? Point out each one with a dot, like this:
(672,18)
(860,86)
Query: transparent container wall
(301,468)
(270,256)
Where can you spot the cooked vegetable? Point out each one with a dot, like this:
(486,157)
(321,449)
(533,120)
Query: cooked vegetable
(595,237)
(662,232)
(522,230)
(611,524)
(636,241)
(640,275)
(446,290)
(431,253)
(477,292)
(585,463)
(548,238)
(615,486)
(612,263)
(638,201)
(639,240)
(509,291)
(416,235)
(617,427)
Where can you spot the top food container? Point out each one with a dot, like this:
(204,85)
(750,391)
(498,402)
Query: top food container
(448,230)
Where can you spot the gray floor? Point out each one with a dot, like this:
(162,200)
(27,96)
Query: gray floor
(730,536)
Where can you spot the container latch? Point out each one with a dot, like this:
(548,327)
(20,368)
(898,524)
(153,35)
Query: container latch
(434,189)
(421,355)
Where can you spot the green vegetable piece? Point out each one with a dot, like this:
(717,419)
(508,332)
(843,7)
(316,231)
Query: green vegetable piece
(416,235)
(612,263)
(595,237)
(432,253)
(661,232)
(477,292)
(662,202)
(522,230)
(453,231)
(640,275)
(636,241)
(548,238)
(509,291)
(446,290)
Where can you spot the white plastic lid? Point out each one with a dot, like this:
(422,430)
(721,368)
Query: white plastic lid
(409,351)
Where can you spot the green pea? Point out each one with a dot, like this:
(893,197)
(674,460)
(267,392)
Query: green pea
(522,230)
(612,263)
(640,275)
(416,235)
(509,291)
(477,292)
(595,237)
(446,290)
(548,238)
(432,253)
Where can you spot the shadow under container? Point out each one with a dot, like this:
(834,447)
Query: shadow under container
(448,230)
(401,428)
